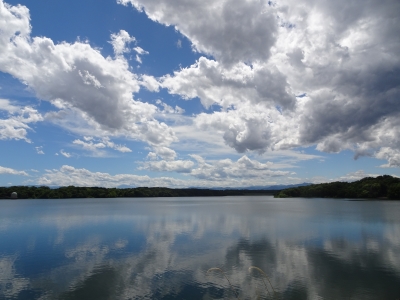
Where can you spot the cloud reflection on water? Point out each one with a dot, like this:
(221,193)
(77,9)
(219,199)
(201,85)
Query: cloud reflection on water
(162,248)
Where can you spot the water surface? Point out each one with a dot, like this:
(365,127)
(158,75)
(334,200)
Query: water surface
(161,248)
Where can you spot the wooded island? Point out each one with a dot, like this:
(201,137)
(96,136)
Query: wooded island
(381,187)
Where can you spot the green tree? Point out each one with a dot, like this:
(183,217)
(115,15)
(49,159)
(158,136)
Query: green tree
(394,191)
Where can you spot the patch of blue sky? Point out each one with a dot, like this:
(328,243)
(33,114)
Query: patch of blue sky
(12,89)
(191,106)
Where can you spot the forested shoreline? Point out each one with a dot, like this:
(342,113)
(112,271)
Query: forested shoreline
(381,187)
(44,192)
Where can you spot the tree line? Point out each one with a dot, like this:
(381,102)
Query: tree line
(45,192)
(385,187)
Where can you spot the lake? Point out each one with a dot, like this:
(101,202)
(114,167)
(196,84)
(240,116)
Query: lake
(162,248)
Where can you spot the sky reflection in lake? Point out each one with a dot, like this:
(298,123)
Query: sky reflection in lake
(161,248)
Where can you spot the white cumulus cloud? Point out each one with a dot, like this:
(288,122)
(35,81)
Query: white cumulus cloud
(68,175)
(65,154)
(180,166)
(120,40)
(14,124)
(101,97)
(95,145)
(230,30)
(4,170)
(39,150)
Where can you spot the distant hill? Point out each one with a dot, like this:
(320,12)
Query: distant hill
(383,187)
(250,188)
(276,187)
(262,187)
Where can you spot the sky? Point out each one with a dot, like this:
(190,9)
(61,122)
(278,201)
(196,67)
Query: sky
(200,93)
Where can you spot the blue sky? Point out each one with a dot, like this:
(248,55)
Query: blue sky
(222,93)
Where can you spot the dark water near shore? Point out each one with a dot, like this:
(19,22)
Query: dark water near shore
(161,248)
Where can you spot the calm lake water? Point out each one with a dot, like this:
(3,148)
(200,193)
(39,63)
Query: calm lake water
(161,248)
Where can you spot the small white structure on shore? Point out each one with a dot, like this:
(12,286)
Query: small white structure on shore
(14,195)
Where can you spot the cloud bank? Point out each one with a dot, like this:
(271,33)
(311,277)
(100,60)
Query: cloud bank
(340,59)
